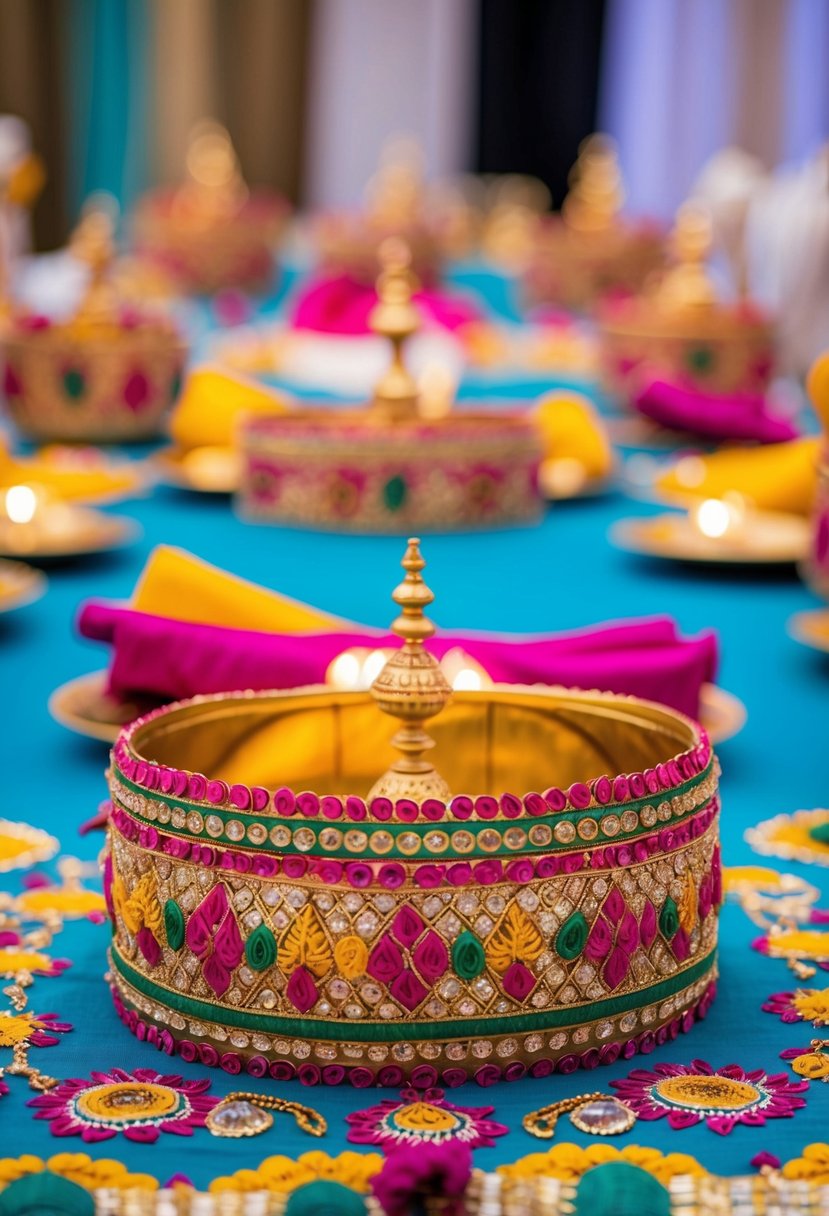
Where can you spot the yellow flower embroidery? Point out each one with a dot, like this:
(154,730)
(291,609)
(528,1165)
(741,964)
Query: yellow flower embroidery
(688,904)
(813,1005)
(350,957)
(16,1028)
(66,901)
(13,959)
(306,945)
(801,943)
(568,1162)
(283,1175)
(514,939)
(78,1168)
(813,1166)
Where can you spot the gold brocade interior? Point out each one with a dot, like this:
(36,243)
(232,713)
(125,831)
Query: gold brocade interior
(503,739)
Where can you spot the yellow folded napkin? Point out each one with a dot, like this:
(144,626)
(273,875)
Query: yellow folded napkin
(75,475)
(182,587)
(774,477)
(571,429)
(211,403)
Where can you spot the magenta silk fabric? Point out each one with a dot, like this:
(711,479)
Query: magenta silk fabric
(712,416)
(162,660)
(342,305)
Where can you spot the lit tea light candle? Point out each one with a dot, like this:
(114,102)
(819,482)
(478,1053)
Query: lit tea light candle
(463,672)
(20,504)
(356,669)
(716,519)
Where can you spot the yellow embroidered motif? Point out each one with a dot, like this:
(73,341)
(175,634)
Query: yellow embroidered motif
(813,1005)
(569,1162)
(78,1168)
(708,1092)
(107,1103)
(812,1064)
(812,1166)
(514,939)
(16,1027)
(423,1117)
(799,943)
(142,910)
(305,944)
(23,845)
(283,1175)
(14,959)
(351,957)
(688,904)
(68,901)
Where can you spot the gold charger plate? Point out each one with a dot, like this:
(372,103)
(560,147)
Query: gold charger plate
(75,531)
(19,585)
(811,628)
(764,538)
(207,470)
(83,706)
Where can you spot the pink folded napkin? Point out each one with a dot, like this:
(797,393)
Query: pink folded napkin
(341,305)
(712,416)
(156,659)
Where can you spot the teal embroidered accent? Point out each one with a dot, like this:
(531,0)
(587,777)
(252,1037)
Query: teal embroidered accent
(571,937)
(174,924)
(395,493)
(701,359)
(669,919)
(45,1194)
(402,1030)
(820,833)
(468,956)
(621,1188)
(260,948)
(74,383)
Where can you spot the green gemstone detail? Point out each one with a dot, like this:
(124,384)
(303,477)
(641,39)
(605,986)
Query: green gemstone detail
(260,948)
(174,924)
(669,919)
(701,359)
(572,936)
(820,833)
(175,386)
(468,956)
(74,383)
(395,492)
(621,1188)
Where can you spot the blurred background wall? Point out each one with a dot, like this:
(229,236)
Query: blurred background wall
(311,89)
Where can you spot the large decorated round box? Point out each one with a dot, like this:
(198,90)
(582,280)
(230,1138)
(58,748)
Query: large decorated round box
(547,901)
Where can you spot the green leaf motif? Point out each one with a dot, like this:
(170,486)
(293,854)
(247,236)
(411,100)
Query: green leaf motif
(468,956)
(260,948)
(174,924)
(572,936)
(395,492)
(669,919)
(74,383)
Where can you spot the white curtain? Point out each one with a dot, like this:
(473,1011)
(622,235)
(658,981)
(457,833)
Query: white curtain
(383,68)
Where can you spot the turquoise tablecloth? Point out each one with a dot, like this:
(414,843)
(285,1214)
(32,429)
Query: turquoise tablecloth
(560,575)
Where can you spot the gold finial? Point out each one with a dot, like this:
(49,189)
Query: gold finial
(396,318)
(596,190)
(215,189)
(92,242)
(413,688)
(687,284)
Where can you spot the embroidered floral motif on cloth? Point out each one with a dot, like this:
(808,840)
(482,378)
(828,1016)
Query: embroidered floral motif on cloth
(423,1117)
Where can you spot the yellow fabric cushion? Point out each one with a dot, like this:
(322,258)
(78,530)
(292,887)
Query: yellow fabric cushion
(211,403)
(182,587)
(571,429)
(775,477)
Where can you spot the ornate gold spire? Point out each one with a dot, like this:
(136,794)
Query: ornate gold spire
(413,688)
(92,242)
(596,191)
(396,318)
(687,284)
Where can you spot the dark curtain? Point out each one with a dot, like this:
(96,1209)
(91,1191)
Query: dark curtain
(538,86)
